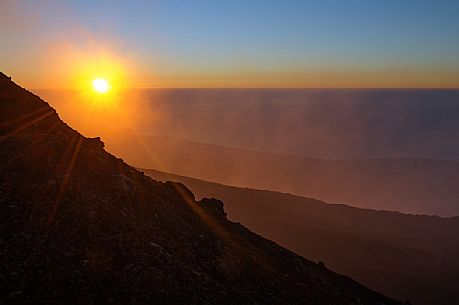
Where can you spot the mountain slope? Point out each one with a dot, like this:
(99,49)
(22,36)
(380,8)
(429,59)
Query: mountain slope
(418,186)
(79,226)
(404,256)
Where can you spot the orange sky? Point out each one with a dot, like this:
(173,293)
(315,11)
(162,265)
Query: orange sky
(307,45)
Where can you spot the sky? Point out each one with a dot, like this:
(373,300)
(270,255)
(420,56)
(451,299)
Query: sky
(250,43)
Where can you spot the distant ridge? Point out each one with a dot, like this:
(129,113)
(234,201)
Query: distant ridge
(417,186)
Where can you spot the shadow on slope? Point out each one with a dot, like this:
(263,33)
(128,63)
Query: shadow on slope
(405,256)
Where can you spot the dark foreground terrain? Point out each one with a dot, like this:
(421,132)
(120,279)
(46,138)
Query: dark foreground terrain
(405,256)
(80,226)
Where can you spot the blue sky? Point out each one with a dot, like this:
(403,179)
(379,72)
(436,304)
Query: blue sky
(258,38)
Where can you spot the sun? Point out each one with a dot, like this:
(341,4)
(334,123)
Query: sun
(100,85)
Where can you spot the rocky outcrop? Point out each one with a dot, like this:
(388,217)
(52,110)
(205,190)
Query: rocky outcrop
(94,143)
(214,206)
(80,226)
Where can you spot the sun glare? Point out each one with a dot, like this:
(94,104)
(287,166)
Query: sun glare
(100,85)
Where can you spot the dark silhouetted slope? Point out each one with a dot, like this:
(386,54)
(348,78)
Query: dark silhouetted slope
(405,256)
(80,226)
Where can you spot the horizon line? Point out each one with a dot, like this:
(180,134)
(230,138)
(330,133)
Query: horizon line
(270,88)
